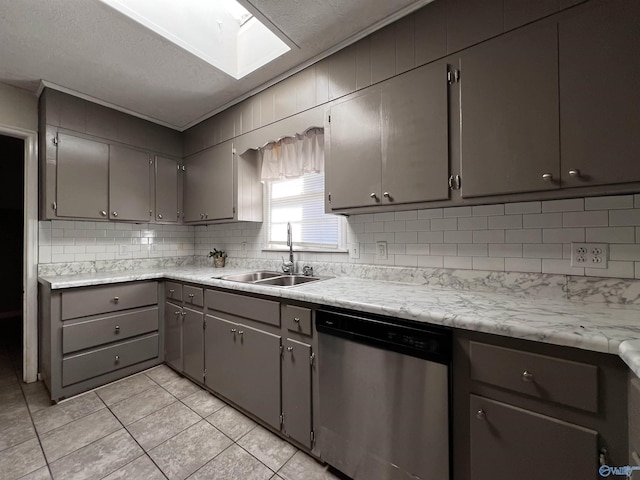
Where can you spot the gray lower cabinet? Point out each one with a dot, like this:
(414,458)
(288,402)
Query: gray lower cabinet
(173,335)
(509,114)
(193,344)
(297,365)
(507,441)
(600,93)
(82,178)
(634,422)
(90,336)
(130,174)
(243,364)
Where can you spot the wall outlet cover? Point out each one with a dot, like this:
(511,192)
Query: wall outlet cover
(589,255)
(381,250)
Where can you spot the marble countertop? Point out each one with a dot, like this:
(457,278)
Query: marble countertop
(607,328)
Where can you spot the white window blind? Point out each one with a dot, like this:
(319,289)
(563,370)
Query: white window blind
(300,201)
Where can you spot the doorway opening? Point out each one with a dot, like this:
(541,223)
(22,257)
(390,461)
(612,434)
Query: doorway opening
(12,158)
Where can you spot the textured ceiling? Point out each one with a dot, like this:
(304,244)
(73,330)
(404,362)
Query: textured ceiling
(86,47)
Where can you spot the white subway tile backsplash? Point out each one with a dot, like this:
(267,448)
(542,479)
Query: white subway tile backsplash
(430,261)
(486,263)
(487,210)
(505,250)
(542,220)
(505,221)
(528,235)
(614,269)
(472,223)
(410,215)
(457,212)
(444,249)
(596,218)
(406,237)
(431,213)
(418,225)
(608,203)
(406,260)
(569,205)
(374,227)
(542,251)
(563,235)
(455,236)
(384,217)
(523,265)
(622,218)
(438,224)
(636,200)
(430,237)
(611,235)
(396,249)
(417,249)
(473,250)
(395,226)
(388,237)
(465,263)
(625,252)
(561,267)
(522,207)
(488,236)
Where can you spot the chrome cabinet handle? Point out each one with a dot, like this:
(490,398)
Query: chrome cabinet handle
(527,376)
(117,328)
(160,216)
(374,196)
(240,332)
(481,415)
(177,313)
(233,330)
(114,213)
(191,295)
(296,319)
(172,291)
(116,299)
(388,196)
(103,213)
(574,172)
(547,177)
(289,349)
(184,314)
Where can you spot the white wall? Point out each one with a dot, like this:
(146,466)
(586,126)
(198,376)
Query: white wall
(18,108)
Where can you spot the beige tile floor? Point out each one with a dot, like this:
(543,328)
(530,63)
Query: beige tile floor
(154,425)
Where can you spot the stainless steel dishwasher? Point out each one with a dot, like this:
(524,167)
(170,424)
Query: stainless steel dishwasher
(384,396)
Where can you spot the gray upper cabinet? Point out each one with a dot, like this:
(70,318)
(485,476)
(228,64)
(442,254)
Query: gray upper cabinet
(521,12)
(389,145)
(472,21)
(167,177)
(600,93)
(82,186)
(208,184)
(129,184)
(510,125)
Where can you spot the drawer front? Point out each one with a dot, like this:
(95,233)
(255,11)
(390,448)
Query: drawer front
(83,302)
(505,438)
(173,291)
(297,319)
(97,331)
(98,362)
(634,422)
(194,296)
(548,378)
(265,311)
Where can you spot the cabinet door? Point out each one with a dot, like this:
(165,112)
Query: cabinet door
(508,441)
(415,140)
(510,126)
(166,190)
(221,357)
(259,374)
(173,335)
(296,391)
(208,184)
(82,178)
(193,344)
(600,94)
(129,184)
(472,21)
(354,153)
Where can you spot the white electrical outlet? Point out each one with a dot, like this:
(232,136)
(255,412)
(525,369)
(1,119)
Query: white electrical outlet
(589,255)
(354,250)
(381,250)
(243,246)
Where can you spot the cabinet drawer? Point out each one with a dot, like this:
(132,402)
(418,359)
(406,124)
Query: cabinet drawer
(265,311)
(97,331)
(173,291)
(86,365)
(193,296)
(82,302)
(297,319)
(504,439)
(634,421)
(553,379)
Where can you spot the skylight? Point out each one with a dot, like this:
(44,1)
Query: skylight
(220,32)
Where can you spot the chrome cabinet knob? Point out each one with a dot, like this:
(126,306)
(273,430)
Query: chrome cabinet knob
(177,313)
(116,299)
(160,216)
(117,328)
(240,332)
(289,349)
(481,415)
(172,291)
(388,196)
(373,195)
(117,358)
(527,376)
(296,319)
(103,213)
(547,177)
(191,295)
(114,213)
(574,172)
(201,216)
(184,314)
(233,330)
(206,215)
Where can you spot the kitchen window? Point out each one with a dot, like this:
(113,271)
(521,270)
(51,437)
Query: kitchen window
(300,201)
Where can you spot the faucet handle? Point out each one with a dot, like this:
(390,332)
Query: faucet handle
(307,271)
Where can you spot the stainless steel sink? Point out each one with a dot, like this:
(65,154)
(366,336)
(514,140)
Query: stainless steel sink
(288,280)
(250,277)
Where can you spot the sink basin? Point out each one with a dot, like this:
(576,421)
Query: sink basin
(251,277)
(288,280)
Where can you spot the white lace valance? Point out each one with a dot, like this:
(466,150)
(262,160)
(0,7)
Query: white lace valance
(292,157)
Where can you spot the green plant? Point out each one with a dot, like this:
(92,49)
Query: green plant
(218,253)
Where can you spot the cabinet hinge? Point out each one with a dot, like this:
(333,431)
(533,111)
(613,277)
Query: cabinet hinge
(184,169)
(178,167)
(151,213)
(329,197)
(312,438)
(204,373)
(281,420)
(54,205)
(281,350)
(454,182)
(150,161)
(234,210)
(312,357)
(453,76)
(204,325)
(55,141)
(329,119)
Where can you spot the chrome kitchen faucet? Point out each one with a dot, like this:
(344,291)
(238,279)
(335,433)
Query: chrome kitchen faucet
(289,267)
